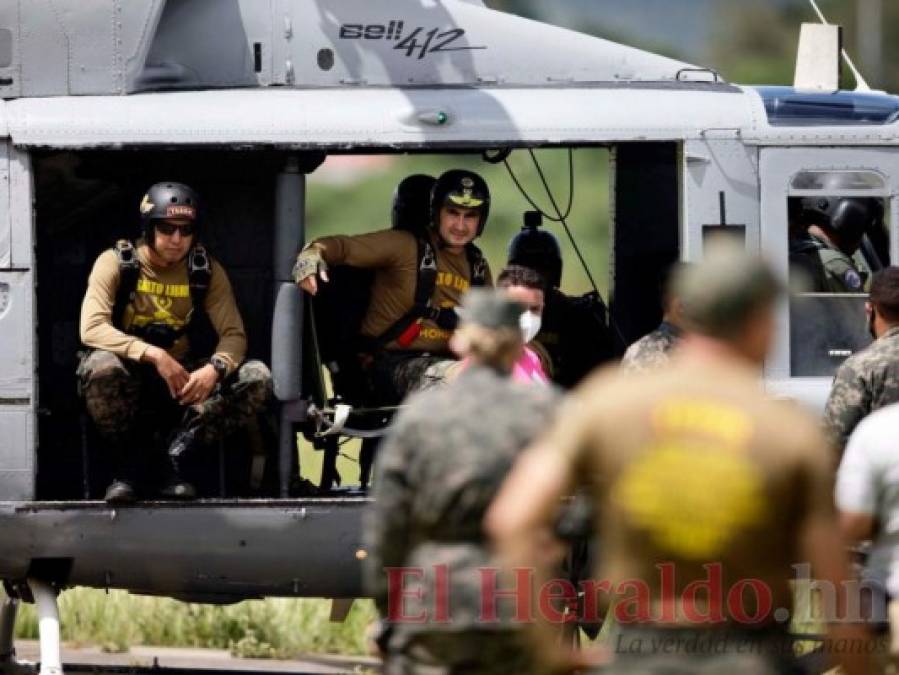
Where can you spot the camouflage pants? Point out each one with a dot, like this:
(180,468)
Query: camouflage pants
(114,389)
(701,652)
(398,374)
(472,653)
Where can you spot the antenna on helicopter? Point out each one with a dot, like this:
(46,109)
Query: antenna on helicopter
(860,83)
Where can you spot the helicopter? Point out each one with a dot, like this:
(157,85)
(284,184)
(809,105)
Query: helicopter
(244,100)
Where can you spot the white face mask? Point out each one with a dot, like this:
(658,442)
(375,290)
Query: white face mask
(530,325)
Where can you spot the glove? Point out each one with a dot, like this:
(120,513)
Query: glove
(309,263)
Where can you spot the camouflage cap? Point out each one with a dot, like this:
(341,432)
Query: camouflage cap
(720,293)
(490,308)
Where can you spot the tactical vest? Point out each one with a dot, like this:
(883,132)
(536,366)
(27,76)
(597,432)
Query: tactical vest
(198,328)
(426,281)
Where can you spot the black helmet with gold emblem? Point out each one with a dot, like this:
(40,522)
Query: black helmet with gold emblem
(464,189)
(168,200)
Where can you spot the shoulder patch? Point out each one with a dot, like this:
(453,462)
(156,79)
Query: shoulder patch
(853,280)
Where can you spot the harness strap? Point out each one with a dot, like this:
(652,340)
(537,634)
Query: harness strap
(478,265)
(424,288)
(444,317)
(199,275)
(129,271)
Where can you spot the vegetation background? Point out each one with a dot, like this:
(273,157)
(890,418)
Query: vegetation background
(748,42)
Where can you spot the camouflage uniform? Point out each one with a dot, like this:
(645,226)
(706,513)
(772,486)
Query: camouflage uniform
(113,387)
(437,473)
(398,373)
(828,270)
(652,350)
(866,381)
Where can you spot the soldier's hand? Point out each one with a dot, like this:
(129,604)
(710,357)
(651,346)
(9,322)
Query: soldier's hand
(169,369)
(199,385)
(310,265)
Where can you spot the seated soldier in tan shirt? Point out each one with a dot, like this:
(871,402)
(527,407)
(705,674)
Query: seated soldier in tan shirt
(409,336)
(146,339)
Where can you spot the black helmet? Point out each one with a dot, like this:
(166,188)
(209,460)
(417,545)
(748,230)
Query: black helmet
(537,249)
(461,188)
(851,217)
(168,200)
(411,202)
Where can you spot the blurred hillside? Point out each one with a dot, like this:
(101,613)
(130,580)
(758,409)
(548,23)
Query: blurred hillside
(748,42)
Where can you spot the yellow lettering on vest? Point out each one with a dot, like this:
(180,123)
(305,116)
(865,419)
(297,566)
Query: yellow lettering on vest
(177,290)
(450,280)
(709,418)
(169,290)
(434,334)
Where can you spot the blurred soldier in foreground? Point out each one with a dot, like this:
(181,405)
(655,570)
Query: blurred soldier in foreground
(573,330)
(653,350)
(696,476)
(867,496)
(869,379)
(436,474)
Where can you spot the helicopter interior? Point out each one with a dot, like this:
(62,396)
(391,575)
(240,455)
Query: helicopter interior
(86,200)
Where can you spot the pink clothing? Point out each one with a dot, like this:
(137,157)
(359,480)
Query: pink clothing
(529,369)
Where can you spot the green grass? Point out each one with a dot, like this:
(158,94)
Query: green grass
(273,628)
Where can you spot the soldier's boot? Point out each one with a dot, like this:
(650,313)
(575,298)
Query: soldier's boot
(121,489)
(183,443)
(176,486)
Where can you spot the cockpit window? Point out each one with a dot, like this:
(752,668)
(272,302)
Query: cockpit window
(838,237)
(844,180)
(788,107)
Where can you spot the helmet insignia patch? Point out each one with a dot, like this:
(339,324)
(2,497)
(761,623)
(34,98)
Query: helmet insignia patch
(465,200)
(180,211)
(146,205)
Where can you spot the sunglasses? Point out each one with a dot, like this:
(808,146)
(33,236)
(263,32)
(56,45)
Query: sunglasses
(168,229)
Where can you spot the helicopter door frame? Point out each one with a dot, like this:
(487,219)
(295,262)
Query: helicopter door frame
(778,166)
(17,339)
(711,167)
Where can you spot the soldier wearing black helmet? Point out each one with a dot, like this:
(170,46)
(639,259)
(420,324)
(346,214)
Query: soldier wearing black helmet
(421,274)
(412,202)
(574,331)
(825,233)
(164,332)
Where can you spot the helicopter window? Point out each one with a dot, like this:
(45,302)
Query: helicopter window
(821,180)
(838,237)
(786,106)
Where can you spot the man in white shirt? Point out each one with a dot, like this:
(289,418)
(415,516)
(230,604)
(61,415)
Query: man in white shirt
(867,496)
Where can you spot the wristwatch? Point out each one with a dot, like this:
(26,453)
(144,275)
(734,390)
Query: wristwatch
(220,366)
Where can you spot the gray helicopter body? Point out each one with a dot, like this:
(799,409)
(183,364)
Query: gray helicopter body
(246,97)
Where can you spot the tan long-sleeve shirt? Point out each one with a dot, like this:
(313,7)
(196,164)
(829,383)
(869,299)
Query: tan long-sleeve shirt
(393,254)
(162,296)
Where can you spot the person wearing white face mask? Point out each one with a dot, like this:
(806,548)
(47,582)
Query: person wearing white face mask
(525,286)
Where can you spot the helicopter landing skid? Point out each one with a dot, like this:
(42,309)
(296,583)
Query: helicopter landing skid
(8,663)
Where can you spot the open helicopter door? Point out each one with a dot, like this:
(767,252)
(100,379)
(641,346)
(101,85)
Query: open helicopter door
(17,345)
(817,330)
